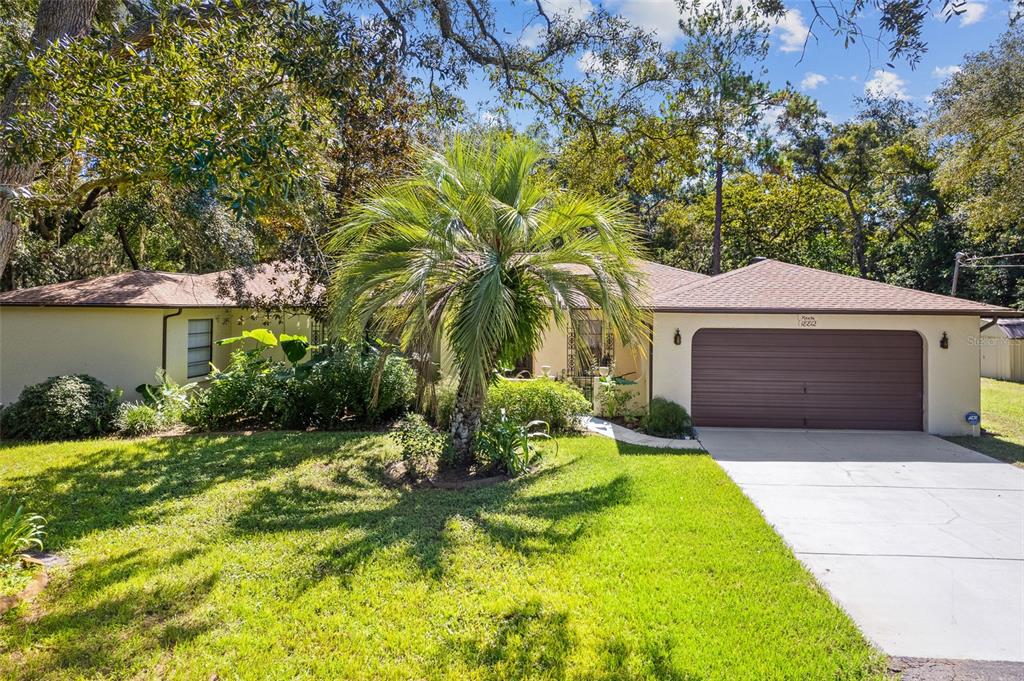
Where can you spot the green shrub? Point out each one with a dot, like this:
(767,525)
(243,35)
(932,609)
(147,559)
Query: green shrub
(333,390)
(339,388)
(508,446)
(61,408)
(665,418)
(18,531)
(134,419)
(561,405)
(419,442)
(168,398)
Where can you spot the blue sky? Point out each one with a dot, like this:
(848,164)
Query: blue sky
(825,69)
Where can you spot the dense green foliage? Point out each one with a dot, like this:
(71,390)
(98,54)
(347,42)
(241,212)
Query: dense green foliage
(342,387)
(559,404)
(665,418)
(60,408)
(478,251)
(281,555)
(418,442)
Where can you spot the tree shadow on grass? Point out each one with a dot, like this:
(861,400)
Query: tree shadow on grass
(98,623)
(531,641)
(509,514)
(115,487)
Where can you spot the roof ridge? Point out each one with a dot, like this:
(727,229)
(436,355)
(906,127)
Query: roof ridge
(714,278)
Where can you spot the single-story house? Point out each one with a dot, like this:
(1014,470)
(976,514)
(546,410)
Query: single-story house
(784,346)
(767,345)
(1002,350)
(122,328)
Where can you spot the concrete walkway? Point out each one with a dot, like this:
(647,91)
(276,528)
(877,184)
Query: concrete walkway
(919,540)
(631,437)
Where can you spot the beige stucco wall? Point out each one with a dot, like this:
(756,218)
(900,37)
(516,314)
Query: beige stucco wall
(952,386)
(1001,357)
(119,346)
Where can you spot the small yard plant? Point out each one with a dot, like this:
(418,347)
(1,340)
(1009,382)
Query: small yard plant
(665,418)
(19,531)
(135,418)
(509,446)
(614,396)
(61,408)
(422,447)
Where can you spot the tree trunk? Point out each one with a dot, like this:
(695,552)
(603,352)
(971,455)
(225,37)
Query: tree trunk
(55,20)
(469,403)
(716,242)
(859,245)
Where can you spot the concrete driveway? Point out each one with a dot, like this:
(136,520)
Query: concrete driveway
(919,540)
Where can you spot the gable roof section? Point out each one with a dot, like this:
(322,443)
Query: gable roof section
(770,286)
(142,288)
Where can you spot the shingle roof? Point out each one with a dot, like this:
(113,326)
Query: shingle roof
(773,286)
(142,288)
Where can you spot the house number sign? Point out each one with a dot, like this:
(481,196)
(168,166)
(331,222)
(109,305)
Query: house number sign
(806,321)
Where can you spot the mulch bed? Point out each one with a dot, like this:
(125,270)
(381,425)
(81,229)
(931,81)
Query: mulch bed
(399,474)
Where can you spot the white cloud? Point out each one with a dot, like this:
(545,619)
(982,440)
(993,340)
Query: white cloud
(943,72)
(572,8)
(812,80)
(972,14)
(886,84)
(592,64)
(792,31)
(660,17)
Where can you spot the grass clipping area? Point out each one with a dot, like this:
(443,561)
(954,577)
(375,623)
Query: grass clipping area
(280,556)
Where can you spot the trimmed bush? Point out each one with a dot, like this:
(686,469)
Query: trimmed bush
(665,418)
(61,408)
(134,419)
(561,405)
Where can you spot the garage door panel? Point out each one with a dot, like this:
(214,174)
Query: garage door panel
(807,379)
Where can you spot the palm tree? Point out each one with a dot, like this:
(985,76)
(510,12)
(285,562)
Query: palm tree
(477,250)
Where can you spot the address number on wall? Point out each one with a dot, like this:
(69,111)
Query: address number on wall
(806,321)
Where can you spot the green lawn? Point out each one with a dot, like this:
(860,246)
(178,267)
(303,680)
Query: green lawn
(280,556)
(1002,419)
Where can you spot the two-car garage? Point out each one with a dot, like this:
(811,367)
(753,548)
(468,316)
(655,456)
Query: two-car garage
(774,345)
(808,378)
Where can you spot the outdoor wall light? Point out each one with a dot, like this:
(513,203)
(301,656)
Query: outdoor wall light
(678,338)
(944,341)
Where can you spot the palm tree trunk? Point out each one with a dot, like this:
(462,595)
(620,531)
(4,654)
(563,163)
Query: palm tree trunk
(469,404)
(55,20)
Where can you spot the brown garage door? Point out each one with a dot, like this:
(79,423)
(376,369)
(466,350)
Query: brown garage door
(808,378)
